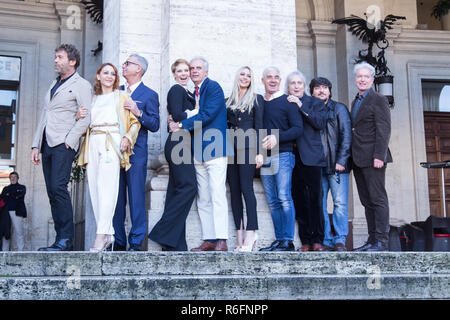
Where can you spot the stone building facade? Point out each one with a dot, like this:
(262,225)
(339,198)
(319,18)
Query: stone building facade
(229,33)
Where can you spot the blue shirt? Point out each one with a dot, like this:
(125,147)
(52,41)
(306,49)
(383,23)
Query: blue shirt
(358,102)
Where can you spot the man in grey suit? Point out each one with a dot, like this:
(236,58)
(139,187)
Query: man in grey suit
(57,137)
(371,130)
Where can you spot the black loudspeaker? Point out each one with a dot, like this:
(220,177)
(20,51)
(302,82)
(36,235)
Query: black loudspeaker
(415,236)
(437,234)
(395,243)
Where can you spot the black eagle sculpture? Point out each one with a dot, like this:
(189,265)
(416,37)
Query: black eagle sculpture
(95,9)
(371,34)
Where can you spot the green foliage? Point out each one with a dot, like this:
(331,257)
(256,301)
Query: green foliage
(441,9)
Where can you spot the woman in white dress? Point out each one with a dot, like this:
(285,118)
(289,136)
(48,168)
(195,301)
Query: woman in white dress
(107,146)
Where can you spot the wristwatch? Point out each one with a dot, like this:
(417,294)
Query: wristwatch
(180,125)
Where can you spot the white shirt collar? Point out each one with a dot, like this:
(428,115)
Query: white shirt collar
(200,85)
(275,95)
(133,87)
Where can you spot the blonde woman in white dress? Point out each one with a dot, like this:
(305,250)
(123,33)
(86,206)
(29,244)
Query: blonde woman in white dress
(107,146)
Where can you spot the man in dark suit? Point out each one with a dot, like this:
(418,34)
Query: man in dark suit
(371,130)
(210,156)
(145,106)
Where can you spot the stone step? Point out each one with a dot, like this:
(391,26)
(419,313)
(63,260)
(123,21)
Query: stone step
(224,275)
(35,264)
(227,287)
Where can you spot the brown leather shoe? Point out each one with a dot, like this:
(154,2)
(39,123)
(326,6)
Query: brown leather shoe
(205,246)
(328,248)
(340,247)
(317,247)
(221,245)
(305,248)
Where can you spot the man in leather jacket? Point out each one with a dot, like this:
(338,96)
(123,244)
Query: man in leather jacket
(336,141)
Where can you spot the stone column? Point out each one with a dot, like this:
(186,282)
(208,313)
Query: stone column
(323,34)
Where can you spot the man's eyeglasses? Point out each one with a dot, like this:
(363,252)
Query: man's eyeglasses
(126,63)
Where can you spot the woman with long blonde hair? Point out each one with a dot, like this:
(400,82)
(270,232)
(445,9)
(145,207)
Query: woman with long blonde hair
(245,119)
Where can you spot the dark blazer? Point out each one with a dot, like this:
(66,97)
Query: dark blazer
(371,130)
(244,120)
(309,144)
(148,103)
(5,221)
(14,196)
(212,115)
(337,138)
(176,109)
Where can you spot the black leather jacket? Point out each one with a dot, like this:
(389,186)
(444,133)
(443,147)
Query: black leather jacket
(337,138)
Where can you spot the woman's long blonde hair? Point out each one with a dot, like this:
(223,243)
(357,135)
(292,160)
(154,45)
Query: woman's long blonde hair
(248,99)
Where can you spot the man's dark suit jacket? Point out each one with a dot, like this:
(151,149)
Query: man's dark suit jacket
(211,115)
(309,144)
(371,131)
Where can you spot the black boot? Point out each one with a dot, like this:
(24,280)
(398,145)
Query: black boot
(59,245)
(272,246)
(364,247)
(285,245)
(377,247)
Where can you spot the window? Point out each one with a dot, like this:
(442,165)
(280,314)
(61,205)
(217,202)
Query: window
(436,95)
(9,95)
(4,176)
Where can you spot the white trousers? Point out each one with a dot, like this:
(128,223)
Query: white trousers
(103,172)
(17,236)
(212,198)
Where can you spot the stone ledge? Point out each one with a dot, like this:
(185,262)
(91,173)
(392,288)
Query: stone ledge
(396,286)
(64,264)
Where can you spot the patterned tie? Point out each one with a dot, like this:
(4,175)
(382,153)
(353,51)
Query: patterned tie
(197,93)
(128,90)
(356,106)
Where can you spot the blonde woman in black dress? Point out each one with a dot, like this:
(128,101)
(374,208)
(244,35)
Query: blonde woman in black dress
(169,232)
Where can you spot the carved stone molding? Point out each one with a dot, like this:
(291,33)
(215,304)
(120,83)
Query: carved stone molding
(413,40)
(303,33)
(323,33)
(38,16)
(71,15)
(323,9)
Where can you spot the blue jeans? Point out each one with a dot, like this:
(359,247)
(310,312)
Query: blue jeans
(339,193)
(277,182)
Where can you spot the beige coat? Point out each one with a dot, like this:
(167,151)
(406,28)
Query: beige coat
(58,114)
(130,125)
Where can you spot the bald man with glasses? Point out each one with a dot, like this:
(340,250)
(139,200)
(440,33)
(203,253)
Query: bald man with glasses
(145,106)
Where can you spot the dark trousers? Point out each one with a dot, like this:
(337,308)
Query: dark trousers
(57,167)
(240,179)
(132,180)
(372,193)
(307,196)
(170,230)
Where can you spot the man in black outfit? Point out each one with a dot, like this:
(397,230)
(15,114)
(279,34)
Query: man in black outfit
(371,127)
(309,160)
(14,195)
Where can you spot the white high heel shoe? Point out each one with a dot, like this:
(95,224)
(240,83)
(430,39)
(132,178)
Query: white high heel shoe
(251,247)
(109,241)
